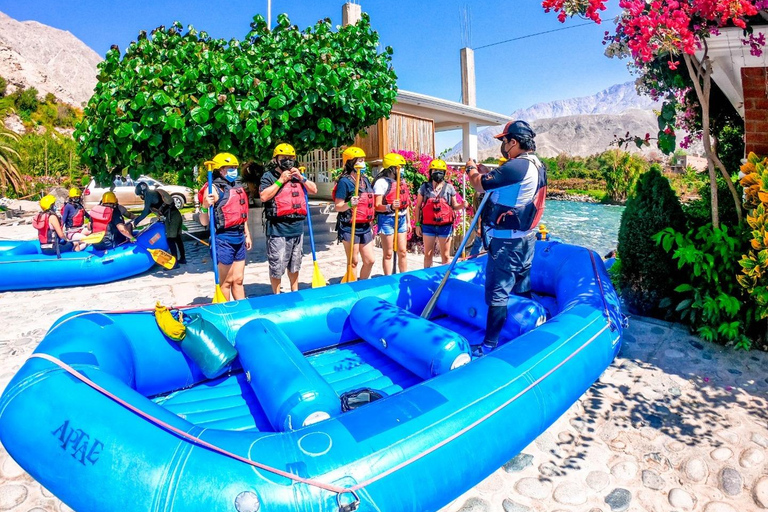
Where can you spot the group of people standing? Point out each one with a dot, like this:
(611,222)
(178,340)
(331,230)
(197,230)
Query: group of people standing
(517,193)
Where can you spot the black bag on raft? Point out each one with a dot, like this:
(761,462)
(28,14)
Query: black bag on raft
(207,347)
(359,397)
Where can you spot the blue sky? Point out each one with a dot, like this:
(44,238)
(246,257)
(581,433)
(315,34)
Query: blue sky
(426,36)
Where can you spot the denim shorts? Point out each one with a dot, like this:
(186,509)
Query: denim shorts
(386,224)
(508,268)
(229,252)
(438,231)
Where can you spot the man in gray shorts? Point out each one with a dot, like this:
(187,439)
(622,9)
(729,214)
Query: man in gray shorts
(282,190)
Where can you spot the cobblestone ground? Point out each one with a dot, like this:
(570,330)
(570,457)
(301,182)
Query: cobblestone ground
(675,424)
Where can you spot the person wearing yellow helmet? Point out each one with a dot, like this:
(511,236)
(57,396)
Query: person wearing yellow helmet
(233,238)
(285,211)
(50,231)
(386,203)
(436,204)
(107,217)
(73,216)
(346,202)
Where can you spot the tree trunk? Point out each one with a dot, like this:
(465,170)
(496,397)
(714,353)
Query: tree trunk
(702,93)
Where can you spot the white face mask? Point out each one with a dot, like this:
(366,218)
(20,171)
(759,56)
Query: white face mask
(360,166)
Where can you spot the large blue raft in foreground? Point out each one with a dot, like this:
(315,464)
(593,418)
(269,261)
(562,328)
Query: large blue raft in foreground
(24,267)
(276,438)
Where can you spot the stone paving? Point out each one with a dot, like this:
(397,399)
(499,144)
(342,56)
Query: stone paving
(674,424)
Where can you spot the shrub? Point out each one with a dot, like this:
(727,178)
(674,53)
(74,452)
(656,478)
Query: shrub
(646,269)
(27,101)
(3,87)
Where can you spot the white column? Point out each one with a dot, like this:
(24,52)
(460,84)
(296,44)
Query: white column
(350,13)
(468,92)
(469,140)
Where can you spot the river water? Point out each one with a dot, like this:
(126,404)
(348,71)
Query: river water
(591,225)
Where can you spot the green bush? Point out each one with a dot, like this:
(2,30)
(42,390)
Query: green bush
(647,270)
(26,100)
(3,87)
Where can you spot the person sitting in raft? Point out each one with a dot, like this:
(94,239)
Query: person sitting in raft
(50,230)
(73,216)
(285,210)
(345,200)
(106,218)
(161,204)
(385,192)
(435,208)
(233,239)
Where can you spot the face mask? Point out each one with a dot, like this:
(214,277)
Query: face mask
(438,176)
(287,164)
(231,175)
(360,166)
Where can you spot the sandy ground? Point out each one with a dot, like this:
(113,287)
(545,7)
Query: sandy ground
(674,424)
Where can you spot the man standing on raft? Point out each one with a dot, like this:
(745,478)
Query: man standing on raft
(518,190)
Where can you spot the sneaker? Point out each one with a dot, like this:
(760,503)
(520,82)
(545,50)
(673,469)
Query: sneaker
(487,349)
(477,351)
(181,262)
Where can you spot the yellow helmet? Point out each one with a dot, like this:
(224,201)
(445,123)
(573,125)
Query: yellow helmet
(74,192)
(109,197)
(393,160)
(284,149)
(350,153)
(47,201)
(438,164)
(224,160)
(502,161)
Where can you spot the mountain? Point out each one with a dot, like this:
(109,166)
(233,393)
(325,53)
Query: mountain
(48,59)
(579,126)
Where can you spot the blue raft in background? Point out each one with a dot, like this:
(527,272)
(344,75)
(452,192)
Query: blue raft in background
(276,438)
(24,267)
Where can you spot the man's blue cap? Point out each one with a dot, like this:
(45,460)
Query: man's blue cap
(519,128)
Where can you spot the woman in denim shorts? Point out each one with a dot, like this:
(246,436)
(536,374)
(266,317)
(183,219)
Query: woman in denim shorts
(387,202)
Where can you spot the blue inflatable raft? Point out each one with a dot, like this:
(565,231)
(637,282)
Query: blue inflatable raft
(24,267)
(109,414)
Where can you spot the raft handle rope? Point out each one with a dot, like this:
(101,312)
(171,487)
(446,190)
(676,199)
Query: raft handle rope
(602,292)
(339,491)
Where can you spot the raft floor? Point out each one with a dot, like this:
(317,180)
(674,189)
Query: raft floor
(229,403)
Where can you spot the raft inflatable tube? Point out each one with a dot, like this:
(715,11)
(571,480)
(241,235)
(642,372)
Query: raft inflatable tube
(24,267)
(115,406)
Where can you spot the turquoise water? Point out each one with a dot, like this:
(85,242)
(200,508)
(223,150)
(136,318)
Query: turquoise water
(595,226)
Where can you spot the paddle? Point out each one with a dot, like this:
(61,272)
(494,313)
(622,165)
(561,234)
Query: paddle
(431,304)
(162,258)
(350,276)
(318,281)
(397,224)
(93,238)
(218,296)
(186,230)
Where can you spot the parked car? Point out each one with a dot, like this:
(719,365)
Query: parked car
(126,195)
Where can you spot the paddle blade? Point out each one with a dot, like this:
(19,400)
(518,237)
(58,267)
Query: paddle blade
(350,276)
(162,258)
(93,238)
(318,281)
(218,296)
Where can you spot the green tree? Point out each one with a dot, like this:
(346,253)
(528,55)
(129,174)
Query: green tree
(176,98)
(26,101)
(11,181)
(621,170)
(3,87)
(647,270)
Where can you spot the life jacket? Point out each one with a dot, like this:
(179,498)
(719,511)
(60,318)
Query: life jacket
(437,211)
(45,235)
(391,194)
(231,208)
(519,207)
(78,219)
(290,203)
(366,210)
(101,216)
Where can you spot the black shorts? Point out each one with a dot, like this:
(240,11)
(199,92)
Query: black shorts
(360,238)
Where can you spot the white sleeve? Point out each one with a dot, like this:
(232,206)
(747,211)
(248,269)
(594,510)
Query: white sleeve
(380,187)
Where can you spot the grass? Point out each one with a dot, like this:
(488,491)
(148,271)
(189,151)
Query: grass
(600,195)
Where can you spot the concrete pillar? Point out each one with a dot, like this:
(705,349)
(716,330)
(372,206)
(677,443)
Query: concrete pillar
(469,140)
(350,13)
(468,94)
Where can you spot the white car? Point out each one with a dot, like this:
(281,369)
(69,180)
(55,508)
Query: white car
(125,190)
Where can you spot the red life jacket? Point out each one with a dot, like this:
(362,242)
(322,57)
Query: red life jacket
(101,216)
(289,202)
(366,205)
(231,208)
(437,211)
(45,235)
(391,194)
(78,219)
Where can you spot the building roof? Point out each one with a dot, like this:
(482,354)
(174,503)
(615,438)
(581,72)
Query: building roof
(447,115)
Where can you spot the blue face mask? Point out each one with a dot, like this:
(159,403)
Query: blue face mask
(231,175)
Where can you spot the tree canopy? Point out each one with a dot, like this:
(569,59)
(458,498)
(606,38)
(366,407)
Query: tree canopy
(177,97)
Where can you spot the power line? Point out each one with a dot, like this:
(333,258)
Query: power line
(532,35)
